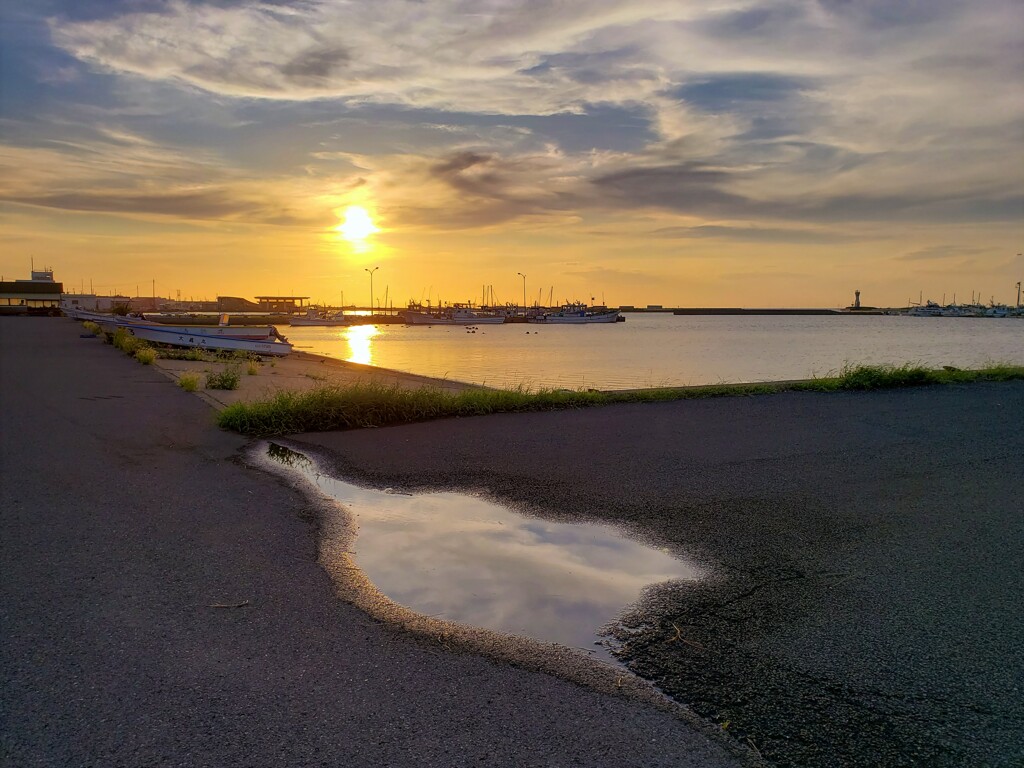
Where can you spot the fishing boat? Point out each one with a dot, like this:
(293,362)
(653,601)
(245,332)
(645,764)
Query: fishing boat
(458,314)
(209,338)
(577,314)
(931,309)
(316,317)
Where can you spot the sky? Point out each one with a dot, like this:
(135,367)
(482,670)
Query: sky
(684,153)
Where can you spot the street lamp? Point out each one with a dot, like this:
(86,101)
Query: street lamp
(524,288)
(371,271)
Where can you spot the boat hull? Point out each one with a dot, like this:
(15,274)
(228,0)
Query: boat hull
(196,337)
(577,319)
(302,321)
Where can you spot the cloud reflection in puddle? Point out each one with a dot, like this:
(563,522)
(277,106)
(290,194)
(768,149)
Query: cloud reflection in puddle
(463,558)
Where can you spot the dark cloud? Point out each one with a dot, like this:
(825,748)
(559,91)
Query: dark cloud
(315,66)
(758,21)
(756,234)
(694,189)
(686,187)
(214,204)
(939,252)
(486,180)
(722,93)
(886,15)
(923,207)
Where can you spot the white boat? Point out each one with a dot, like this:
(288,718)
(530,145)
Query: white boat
(110,323)
(316,317)
(457,315)
(86,314)
(931,309)
(206,338)
(577,314)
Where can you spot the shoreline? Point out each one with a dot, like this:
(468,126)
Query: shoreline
(299,372)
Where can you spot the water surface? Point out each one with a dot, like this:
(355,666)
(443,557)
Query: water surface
(651,350)
(466,559)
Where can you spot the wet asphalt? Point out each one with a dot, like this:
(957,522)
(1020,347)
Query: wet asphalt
(866,602)
(161,604)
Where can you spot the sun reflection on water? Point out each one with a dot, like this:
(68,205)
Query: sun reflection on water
(360,347)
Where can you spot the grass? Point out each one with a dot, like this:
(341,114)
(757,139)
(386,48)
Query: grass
(128,343)
(253,368)
(229,378)
(375,405)
(90,327)
(189,381)
(146,355)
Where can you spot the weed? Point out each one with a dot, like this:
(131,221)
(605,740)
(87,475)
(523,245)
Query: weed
(229,378)
(90,327)
(189,382)
(127,342)
(146,355)
(376,405)
(253,368)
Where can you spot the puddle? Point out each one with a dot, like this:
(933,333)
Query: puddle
(462,558)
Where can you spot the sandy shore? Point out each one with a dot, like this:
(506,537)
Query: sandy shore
(298,372)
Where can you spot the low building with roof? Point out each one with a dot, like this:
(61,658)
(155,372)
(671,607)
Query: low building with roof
(39,295)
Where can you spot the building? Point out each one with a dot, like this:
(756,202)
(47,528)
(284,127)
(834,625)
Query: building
(40,295)
(286,304)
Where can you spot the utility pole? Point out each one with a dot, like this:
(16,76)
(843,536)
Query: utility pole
(371,271)
(524,289)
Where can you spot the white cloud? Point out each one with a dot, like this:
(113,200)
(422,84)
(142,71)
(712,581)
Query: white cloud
(867,99)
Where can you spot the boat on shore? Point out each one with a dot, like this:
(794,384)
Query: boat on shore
(110,323)
(201,337)
(578,314)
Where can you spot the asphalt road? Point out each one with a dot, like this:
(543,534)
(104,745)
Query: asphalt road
(866,604)
(126,520)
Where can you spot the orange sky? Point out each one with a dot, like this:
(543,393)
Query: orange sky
(676,153)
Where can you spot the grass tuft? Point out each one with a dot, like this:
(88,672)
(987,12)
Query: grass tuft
(145,355)
(253,368)
(229,378)
(189,381)
(375,405)
(90,327)
(128,343)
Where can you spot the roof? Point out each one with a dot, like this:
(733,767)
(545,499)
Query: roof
(24,287)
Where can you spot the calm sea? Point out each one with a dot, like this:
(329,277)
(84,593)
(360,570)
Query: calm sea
(653,350)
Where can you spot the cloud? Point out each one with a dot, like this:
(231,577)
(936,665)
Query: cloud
(756,234)
(933,252)
(758,113)
(203,204)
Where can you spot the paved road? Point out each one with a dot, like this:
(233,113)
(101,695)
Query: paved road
(124,518)
(866,608)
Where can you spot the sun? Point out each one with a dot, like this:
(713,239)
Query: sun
(357,225)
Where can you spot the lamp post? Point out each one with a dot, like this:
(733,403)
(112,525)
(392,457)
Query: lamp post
(371,271)
(524,289)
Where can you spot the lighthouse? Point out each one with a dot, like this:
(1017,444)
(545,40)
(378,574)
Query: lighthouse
(856,299)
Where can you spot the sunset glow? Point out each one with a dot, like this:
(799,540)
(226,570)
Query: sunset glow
(357,225)
(666,151)
(360,343)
